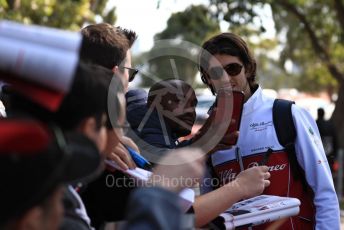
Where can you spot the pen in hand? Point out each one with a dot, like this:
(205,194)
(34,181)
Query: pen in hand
(139,160)
(239,159)
(265,157)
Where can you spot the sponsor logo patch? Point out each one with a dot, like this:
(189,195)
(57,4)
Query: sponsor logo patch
(260,126)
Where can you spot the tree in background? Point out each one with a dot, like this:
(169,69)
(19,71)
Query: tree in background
(311,33)
(192,25)
(66,14)
(196,24)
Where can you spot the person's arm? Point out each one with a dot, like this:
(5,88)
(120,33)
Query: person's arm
(248,183)
(210,205)
(311,157)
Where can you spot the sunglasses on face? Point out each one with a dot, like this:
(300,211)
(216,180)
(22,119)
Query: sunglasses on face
(132,72)
(232,69)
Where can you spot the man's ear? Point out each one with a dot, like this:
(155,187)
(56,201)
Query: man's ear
(31,219)
(115,69)
(87,126)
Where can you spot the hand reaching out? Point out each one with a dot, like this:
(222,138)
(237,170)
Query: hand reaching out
(175,177)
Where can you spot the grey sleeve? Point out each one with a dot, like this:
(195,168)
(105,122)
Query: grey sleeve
(153,208)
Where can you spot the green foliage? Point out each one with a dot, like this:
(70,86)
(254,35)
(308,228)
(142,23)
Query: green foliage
(271,76)
(198,23)
(311,34)
(176,60)
(110,16)
(65,14)
(295,21)
(194,25)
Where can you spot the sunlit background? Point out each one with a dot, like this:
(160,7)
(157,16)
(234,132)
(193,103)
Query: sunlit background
(299,45)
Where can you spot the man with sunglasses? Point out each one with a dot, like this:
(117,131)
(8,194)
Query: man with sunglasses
(226,62)
(109,46)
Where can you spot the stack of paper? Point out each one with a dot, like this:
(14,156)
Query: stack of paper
(259,210)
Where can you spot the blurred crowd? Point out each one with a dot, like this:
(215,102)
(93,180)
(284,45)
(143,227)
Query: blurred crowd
(69,124)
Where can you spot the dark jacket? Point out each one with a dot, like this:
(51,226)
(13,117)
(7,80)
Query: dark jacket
(141,212)
(154,208)
(106,201)
(146,124)
(72,220)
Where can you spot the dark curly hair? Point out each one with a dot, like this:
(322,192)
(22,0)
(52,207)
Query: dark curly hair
(231,44)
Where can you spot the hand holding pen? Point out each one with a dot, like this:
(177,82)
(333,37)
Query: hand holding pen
(139,160)
(125,154)
(253,181)
(121,155)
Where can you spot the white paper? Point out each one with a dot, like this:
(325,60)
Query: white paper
(44,36)
(137,173)
(267,217)
(228,217)
(229,225)
(187,198)
(262,209)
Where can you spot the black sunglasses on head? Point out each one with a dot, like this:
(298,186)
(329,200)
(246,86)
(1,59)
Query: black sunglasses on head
(232,69)
(132,72)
